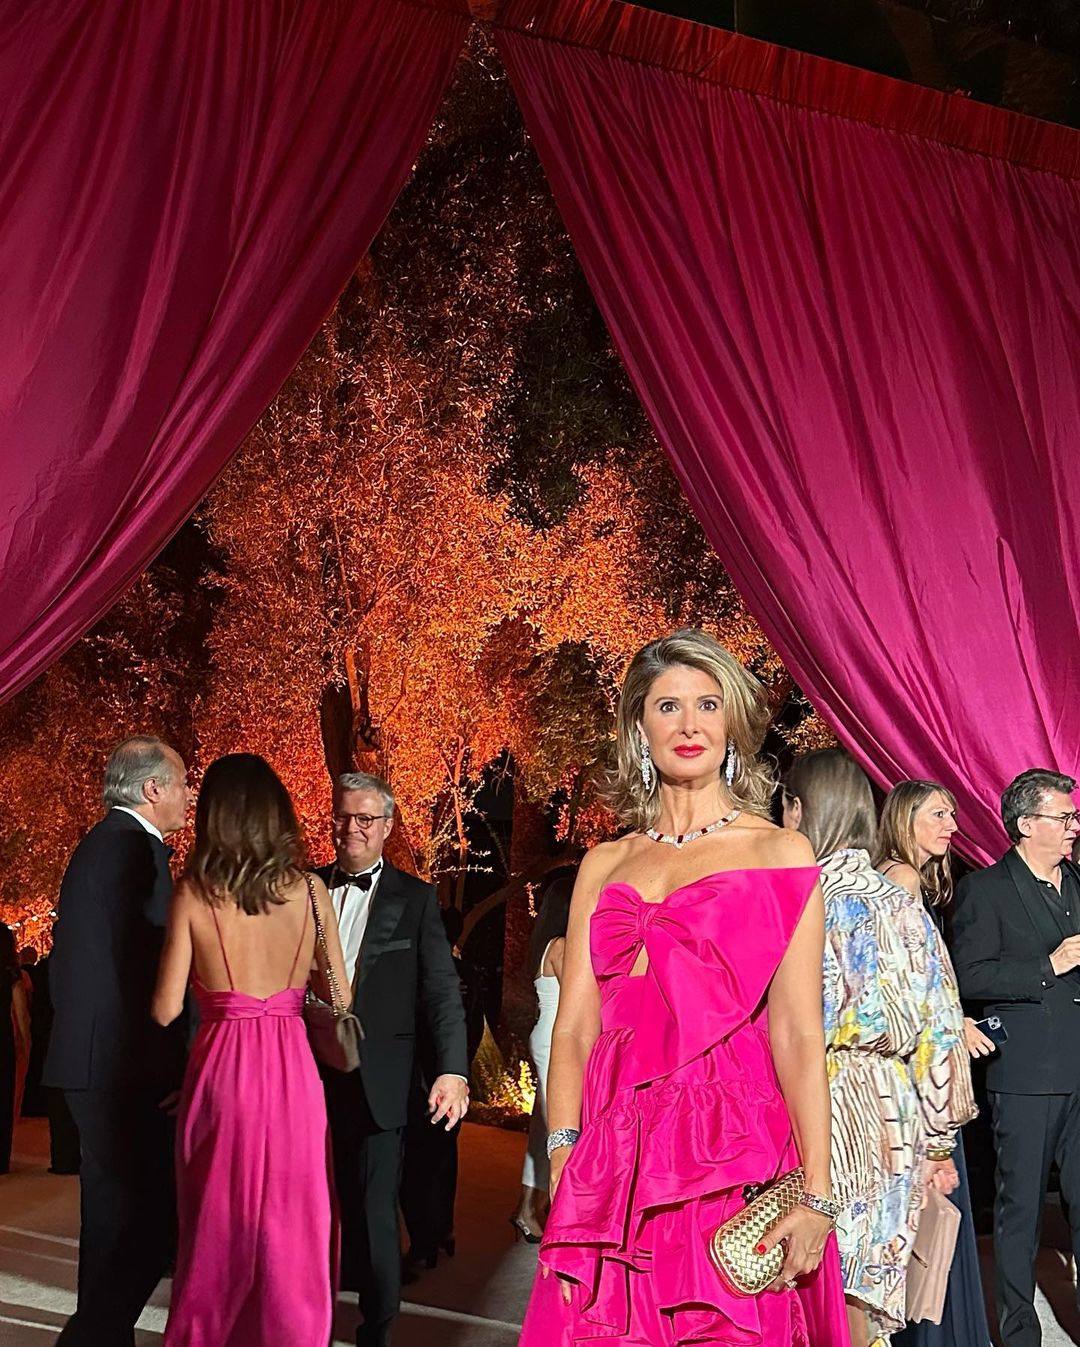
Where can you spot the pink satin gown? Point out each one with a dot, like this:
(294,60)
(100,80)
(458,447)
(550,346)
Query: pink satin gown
(253,1186)
(681,1109)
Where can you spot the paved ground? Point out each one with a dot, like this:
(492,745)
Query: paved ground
(473,1300)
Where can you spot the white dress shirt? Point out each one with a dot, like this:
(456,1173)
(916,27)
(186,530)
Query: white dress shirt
(352,906)
(144,821)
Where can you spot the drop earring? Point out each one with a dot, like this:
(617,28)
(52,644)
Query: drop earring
(730,763)
(646,765)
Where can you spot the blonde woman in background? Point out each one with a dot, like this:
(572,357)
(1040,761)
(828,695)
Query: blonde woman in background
(898,1069)
(918,821)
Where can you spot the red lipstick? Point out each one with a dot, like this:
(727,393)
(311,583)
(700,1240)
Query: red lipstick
(690,750)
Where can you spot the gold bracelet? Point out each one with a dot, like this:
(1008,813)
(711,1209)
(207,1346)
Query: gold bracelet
(939,1153)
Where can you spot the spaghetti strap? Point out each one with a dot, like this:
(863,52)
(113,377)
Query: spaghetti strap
(224,956)
(303,932)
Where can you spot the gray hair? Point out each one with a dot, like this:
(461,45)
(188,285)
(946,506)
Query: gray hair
(365,781)
(1027,794)
(131,764)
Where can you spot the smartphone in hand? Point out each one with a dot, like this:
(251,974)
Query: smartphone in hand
(993,1028)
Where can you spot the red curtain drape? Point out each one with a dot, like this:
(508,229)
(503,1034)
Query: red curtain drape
(851,308)
(185,187)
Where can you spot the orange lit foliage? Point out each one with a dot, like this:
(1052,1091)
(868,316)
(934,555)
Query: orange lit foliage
(364,519)
(453,510)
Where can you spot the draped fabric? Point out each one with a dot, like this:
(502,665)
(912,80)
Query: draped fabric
(185,187)
(851,308)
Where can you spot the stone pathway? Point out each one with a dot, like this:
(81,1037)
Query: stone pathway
(473,1300)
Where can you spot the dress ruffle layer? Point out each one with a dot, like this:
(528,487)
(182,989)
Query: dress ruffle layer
(646,1189)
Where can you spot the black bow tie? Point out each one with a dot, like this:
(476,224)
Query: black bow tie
(363,881)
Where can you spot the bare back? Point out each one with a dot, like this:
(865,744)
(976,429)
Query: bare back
(258,955)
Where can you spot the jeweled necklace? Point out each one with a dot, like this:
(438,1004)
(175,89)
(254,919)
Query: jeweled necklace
(679,840)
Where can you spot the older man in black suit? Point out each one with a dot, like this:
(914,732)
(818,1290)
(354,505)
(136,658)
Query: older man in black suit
(1016,945)
(114,1065)
(398,959)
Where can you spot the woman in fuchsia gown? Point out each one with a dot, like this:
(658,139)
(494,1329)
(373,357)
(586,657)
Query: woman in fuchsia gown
(257,1257)
(688,1057)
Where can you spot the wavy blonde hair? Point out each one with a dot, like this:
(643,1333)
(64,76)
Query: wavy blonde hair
(746,718)
(896,838)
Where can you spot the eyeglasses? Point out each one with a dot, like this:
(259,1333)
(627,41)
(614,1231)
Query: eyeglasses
(1064,819)
(361,820)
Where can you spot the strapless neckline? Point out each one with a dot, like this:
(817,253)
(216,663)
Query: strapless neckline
(702,879)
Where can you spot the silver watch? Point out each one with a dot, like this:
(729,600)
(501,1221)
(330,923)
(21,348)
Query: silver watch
(562,1136)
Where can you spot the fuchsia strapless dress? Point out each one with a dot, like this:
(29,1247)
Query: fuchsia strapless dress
(681,1109)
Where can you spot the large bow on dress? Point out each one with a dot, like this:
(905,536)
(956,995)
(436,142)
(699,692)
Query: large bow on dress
(712,948)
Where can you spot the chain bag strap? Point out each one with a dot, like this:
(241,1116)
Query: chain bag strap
(333,1031)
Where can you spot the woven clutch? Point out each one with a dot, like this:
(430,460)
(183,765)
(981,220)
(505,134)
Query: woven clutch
(732,1245)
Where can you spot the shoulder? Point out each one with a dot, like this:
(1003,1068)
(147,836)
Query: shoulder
(601,861)
(186,896)
(110,852)
(323,872)
(780,848)
(412,886)
(903,876)
(985,881)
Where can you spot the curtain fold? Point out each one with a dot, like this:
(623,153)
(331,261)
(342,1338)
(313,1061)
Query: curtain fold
(851,309)
(185,189)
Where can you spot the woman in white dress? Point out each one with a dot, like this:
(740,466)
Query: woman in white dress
(546,959)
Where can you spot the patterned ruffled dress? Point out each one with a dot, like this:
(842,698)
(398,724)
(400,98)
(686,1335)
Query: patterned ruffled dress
(898,1070)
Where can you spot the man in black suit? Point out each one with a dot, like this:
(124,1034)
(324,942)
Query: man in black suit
(1016,945)
(117,1069)
(397,958)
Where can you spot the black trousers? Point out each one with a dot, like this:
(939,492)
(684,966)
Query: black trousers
(63,1134)
(429,1179)
(1031,1132)
(127,1212)
(367,1175)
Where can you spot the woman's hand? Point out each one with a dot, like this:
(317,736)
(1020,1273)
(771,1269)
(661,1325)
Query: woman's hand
(804,1233)
(558,1159)
(942,1175)
(978,1045)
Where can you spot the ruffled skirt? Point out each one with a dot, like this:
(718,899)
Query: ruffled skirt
(657,1168)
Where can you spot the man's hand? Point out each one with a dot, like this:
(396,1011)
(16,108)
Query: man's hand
(449,1099)
(1067,956)
(978,1045)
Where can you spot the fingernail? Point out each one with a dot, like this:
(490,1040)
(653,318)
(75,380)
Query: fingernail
(759,1248)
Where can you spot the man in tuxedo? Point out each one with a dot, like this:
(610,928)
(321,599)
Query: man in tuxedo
(398,959)
(117,1069)
(1016,945)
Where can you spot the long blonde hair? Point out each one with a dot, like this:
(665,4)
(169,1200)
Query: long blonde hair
(746,718)
(896,838)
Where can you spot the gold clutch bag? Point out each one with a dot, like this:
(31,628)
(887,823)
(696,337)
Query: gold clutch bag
(732,1245)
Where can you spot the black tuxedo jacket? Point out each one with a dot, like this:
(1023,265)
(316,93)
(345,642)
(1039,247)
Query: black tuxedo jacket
(1002,937)
(404,963)
(106,947)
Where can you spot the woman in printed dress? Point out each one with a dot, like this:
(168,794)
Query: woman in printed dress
(898,1066)
(918,821)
